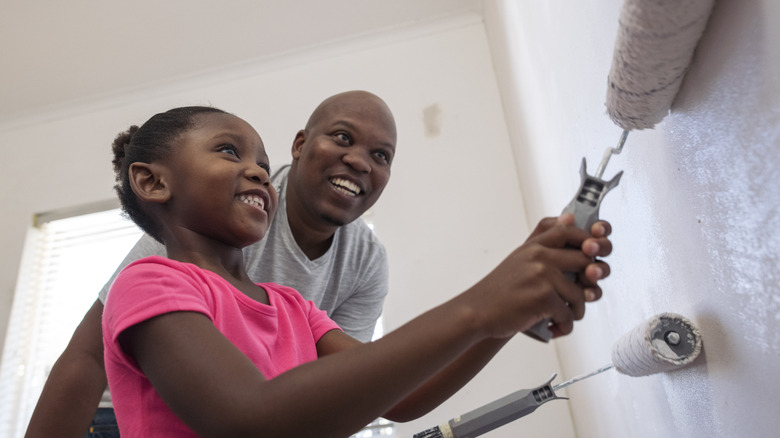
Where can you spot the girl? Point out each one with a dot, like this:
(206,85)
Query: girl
(194,347)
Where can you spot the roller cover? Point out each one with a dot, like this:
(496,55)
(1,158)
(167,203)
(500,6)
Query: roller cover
(654,46)
(649,348)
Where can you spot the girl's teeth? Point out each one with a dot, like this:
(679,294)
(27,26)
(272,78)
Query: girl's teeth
(252,200)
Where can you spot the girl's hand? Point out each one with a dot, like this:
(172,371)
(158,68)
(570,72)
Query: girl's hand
(533,282)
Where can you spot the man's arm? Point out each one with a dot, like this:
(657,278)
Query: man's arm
(73,389)
(77,380)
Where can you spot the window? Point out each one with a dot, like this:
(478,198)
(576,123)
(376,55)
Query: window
(68,257)
(378,428)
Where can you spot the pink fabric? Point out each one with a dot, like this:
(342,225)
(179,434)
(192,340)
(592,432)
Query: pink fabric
(275,337)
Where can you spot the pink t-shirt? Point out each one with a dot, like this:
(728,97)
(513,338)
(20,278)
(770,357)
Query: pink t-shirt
(275,337)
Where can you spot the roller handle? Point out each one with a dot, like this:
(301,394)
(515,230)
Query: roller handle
(585,208)
(495,414)
(434,432)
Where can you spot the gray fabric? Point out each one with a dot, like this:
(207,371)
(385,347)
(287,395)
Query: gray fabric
(349,282)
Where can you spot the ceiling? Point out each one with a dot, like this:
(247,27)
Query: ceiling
(57,53)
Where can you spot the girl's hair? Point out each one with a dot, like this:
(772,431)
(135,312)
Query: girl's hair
(153,141)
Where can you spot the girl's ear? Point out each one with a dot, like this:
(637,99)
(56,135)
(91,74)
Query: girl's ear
(297,146)
(147,182)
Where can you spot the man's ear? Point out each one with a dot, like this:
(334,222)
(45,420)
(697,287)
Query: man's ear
(297,146)
(147,182)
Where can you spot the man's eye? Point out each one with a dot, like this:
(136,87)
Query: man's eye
(384,156)
(343,138)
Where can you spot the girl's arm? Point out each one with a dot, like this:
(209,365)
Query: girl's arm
(451,379)
(217,391)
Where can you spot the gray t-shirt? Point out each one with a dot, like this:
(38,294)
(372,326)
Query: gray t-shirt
(349,282)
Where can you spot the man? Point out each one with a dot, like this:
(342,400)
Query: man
(316,244)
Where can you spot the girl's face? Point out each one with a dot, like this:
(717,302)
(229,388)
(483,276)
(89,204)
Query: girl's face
(219,181)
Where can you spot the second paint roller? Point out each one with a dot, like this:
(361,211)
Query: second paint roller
(662,343)
(654,46)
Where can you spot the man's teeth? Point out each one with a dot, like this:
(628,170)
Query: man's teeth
(346,187)
(252,200)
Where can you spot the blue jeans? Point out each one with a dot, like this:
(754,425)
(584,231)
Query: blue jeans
(103,425)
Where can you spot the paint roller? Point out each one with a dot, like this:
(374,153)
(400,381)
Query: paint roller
(653,49)
(662,343)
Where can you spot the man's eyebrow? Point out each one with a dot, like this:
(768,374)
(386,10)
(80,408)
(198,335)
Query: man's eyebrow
(345,123)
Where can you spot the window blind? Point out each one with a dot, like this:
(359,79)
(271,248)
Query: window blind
(67,259)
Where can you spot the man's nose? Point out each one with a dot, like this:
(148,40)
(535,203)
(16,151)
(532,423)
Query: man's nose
(358,159)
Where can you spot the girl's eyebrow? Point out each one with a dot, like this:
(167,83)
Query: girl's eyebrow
(228,134)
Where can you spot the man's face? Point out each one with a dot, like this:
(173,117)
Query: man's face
(341,161)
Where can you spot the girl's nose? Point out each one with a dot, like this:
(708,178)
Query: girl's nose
(258,173)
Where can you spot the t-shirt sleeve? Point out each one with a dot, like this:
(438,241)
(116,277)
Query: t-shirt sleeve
(147,289)
(318,320)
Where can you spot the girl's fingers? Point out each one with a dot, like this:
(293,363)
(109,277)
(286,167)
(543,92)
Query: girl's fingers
(567,259)
(568,249)
(573,297)
(543,225)
(601,229)
(560,232)
(597,247)
(565,219)
(562,235)
(592,294)
(594,272)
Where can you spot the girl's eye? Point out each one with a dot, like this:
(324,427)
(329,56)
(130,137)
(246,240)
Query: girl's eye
(266,167)
(229,149)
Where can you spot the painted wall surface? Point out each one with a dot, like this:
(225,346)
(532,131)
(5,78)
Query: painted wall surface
(696,216)
(451,212)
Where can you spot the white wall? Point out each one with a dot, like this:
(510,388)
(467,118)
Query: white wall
(696,215)
(451,212)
